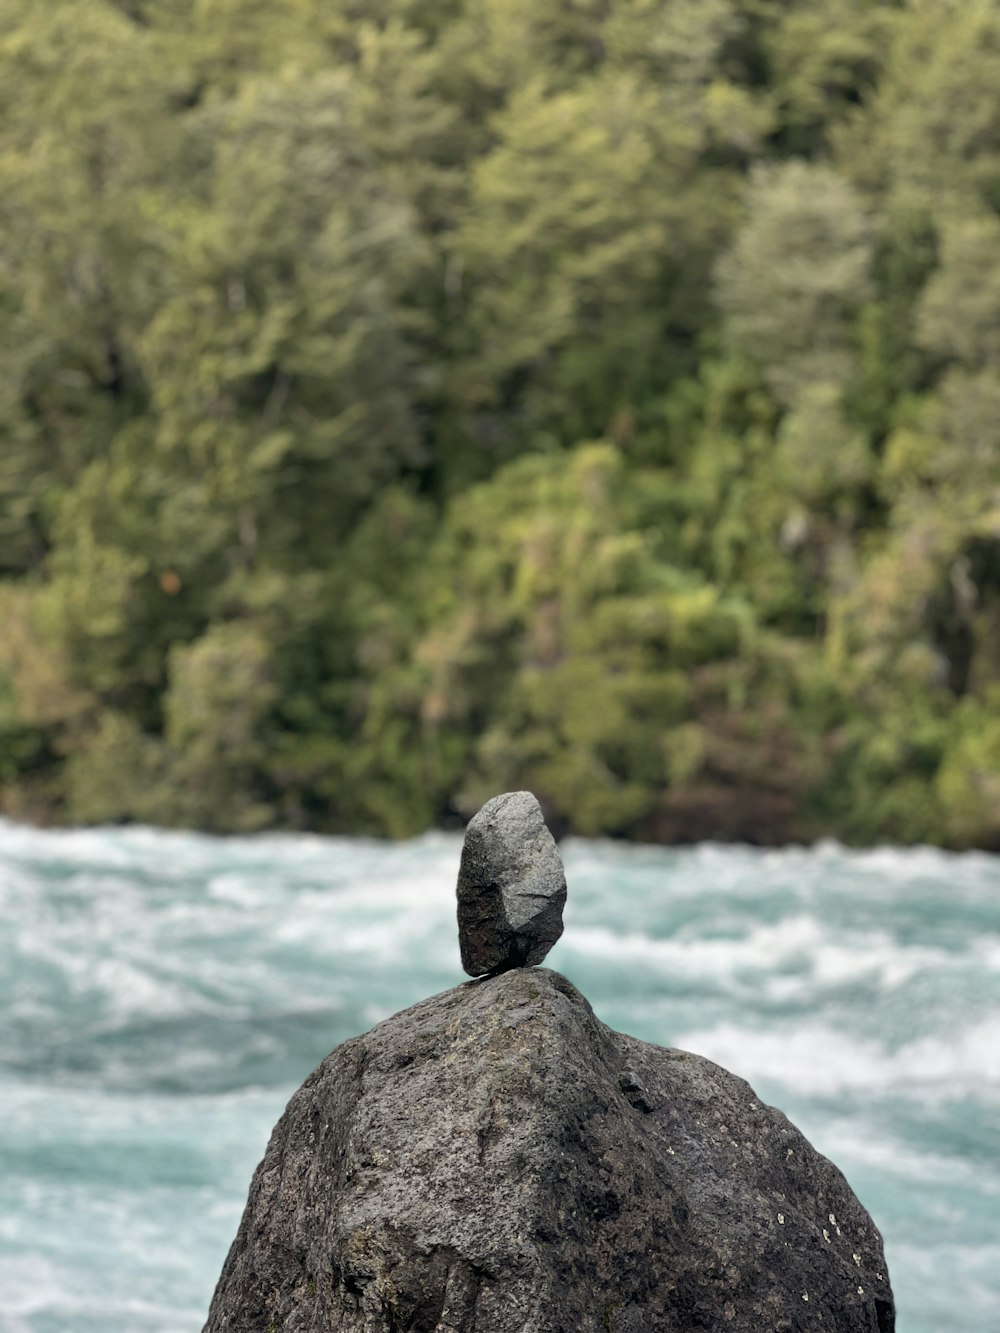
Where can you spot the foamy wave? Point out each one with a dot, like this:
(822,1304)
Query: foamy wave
(827,873)
(876,1149)
(944,1285)
(818,1061)
(789,957)
(169,854)
(34,1289)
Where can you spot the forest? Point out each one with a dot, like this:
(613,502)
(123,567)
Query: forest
(405,401)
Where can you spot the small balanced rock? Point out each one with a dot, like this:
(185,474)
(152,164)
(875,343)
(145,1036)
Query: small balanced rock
(511,887)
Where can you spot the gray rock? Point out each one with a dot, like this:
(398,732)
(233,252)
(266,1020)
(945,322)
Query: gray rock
(495,1160)
(511,887)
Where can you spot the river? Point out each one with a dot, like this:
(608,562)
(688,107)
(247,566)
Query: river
(163,994)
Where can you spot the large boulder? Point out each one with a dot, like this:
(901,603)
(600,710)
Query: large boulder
(495,1160)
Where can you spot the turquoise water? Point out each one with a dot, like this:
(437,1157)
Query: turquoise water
(163,994)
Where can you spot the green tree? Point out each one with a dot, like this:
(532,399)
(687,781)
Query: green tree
(308,312)
(796,276)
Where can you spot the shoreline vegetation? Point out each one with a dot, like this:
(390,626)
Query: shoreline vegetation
(409,400)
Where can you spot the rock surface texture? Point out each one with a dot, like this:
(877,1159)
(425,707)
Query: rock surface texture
(495,1160)
(511,887)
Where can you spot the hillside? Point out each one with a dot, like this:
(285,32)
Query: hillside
(409,400)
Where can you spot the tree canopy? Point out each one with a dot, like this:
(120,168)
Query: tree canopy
(407,400)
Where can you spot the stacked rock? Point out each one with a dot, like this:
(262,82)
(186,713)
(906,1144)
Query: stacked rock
(511,887)
(496,1158)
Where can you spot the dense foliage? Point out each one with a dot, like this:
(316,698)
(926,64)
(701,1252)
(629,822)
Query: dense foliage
(406,400)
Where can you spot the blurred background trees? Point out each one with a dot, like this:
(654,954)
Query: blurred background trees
(407,400)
